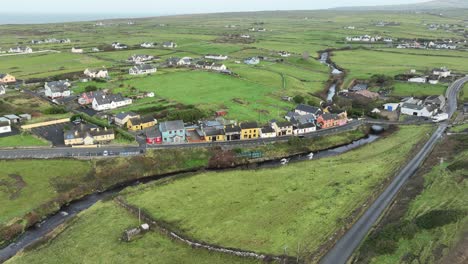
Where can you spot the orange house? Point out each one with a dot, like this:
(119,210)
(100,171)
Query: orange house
(328,120)
(6,78)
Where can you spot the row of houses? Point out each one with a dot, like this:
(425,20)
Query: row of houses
(434,78)
(20,49)
(7,121)
(427,45)
(367,38)
(51,40)
(88,135)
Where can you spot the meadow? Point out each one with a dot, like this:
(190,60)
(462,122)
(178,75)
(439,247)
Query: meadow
(297,206)
(94,236)
(22,141)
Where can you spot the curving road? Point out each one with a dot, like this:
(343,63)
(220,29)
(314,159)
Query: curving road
(350,241)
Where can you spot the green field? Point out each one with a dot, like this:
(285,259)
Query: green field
(404,89)
(22,141)
(93,237)
(25,185)
(465,93)
(267,210)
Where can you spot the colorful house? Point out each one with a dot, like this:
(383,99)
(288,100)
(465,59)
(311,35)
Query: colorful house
(283,128)
(140,123)
(153,136)
(121,119)
(328,120)
(249,130)
(212,134)
(87,98)
(6,78)
(172,131)
(233,132)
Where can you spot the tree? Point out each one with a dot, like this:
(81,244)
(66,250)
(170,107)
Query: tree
(299,99)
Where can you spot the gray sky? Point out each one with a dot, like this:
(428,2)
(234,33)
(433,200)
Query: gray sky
(178,6)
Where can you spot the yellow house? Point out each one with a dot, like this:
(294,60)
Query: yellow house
(140,123)
(7,78)
(84,135)
(213,135)
(250,130)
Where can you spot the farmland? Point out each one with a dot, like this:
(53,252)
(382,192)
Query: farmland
(22,140)
(255,209)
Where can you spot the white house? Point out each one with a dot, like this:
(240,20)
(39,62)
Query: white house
(57,89)
(118,45)
(252,61)
(109,101)
(142,69)
(391,106)
(185,61)
(417,110)
(5,125)
(21,49)
(433,80)
(219,67)
(267,132)
(147,45)
(2,89)
(304,128)
(284,54)
(169,44)
(421,79)
(139,59)
(442,72)
(77,50)
(216,57)
(245,36)
(96,73)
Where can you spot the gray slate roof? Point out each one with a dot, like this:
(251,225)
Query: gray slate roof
(171,125)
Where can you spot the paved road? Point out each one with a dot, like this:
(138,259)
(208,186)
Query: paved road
(46,153)
(346,245)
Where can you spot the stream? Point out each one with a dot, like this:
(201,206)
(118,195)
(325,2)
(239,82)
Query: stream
(35,233)
(325,59)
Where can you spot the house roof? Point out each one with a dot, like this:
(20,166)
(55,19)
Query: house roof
(306,125)
(143,67)
(303,119)
(308,109)
(142,120)
(153,133)
(232,129)
(268,129)
(284,124)
(12,116)
(2,75)
(359,87)
(83,131)
(58,86)
(125,114)
(412,106)
(213,131)
(171,125)
(109,98)
(328,116)
(249,125)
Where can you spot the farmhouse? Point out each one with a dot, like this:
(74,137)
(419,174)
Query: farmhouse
(77,50)
(57,89)
(6,78)
(87,98)
(169,44)
(140,123)
(96,73)
(433,79)
(147,45)
(245,36)
(267,132)
(435,100)
(172,131)
(20,49)
(5,125)
(110,101)
(252,61)
(2,90)
(142,69)
(421,79)
(442,72)
(118,46)
(249,130)
(284,54)
(86,135)
(204,65)
(219,67)
(174,61)
(216,57)
(140,59)
(417,110)
(121,119)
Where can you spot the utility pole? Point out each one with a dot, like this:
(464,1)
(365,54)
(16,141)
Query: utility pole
(139,217)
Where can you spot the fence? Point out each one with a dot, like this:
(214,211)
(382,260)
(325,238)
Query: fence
(47,123)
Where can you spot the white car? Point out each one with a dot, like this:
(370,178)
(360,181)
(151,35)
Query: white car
(105,153)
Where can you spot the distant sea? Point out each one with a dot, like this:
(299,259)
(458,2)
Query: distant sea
(11,18)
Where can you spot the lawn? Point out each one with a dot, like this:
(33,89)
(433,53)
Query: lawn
(27,184)
(22,141)
(268,210)
(93,237)
(415,89)
(464,96)
(244,100)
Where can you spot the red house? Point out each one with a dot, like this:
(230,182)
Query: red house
(153,136)
(87,98)
(328,120)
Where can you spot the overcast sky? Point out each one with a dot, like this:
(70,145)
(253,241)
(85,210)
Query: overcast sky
(159,7)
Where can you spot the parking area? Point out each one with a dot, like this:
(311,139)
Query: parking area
(52,133)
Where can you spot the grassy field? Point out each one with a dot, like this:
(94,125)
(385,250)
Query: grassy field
(300,205)
(102,226)
(27,184)
(22,141)
(403,89)
(433,220)
(464,93)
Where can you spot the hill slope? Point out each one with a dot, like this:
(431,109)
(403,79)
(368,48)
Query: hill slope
(430,5)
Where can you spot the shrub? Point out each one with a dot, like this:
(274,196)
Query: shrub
(437,218)
(90,88)
(299,99)
(55,110)
(385,246)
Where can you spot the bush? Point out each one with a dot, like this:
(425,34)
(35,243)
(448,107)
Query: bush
(55,110)
(187,115)
(299,99)
(438,218)
(387,246)
(90,88)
